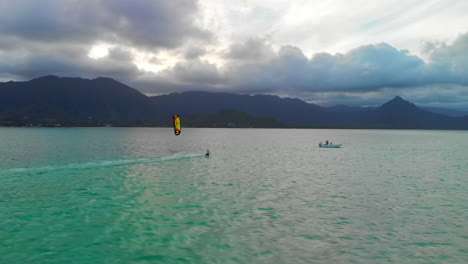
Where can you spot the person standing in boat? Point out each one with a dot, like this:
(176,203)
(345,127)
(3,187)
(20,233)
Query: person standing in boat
(326,142)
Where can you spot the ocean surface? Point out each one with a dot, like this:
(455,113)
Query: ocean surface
(143,195)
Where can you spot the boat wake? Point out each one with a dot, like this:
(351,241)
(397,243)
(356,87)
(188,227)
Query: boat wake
(103,163)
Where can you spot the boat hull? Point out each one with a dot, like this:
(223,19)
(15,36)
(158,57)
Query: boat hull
(330,146)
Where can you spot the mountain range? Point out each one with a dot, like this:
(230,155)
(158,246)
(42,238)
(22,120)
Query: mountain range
(53,101)
(74,101)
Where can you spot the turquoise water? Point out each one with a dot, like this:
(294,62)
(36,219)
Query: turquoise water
(143,195)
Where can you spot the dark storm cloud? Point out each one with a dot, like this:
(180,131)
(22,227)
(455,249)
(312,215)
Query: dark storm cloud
(254,67)
(363,69)
(366,68)
(197,72)
(450,62)
(55,36)
(148,24)
(367,75)
(254,49)
(27,65)
(158,22)
(194,52)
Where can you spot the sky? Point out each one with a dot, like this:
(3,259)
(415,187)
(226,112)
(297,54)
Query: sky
(328,52)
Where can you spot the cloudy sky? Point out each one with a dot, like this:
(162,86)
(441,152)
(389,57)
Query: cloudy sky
(354,52)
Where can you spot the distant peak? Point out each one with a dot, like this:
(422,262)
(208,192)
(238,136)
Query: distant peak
(47,77)
(398,102)
(108,81)
(103,78)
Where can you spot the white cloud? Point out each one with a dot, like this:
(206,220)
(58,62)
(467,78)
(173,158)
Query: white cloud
(339,25)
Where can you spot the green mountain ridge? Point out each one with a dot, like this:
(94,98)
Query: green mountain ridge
(55,101)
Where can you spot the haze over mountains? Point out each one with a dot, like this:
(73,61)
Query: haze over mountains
(53,101)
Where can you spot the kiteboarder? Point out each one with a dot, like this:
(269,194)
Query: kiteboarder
(207,153)
(177,125)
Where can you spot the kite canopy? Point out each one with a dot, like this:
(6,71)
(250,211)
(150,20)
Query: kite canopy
(177,126)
